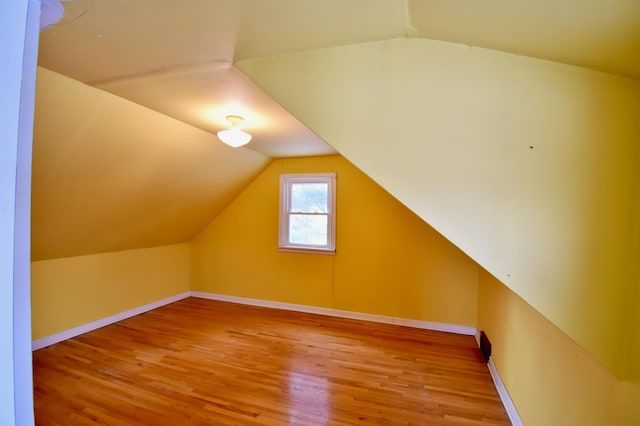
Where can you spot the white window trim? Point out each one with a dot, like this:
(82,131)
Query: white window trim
(286,180)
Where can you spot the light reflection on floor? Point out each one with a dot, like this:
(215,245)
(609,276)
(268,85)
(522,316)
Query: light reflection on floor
(308,399)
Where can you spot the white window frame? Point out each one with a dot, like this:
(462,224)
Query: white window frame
(286,182)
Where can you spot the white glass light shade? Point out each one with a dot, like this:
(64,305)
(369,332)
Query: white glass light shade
(234,137)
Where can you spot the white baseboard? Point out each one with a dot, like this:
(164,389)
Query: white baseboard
(76,331)
(427,325)
(509,406)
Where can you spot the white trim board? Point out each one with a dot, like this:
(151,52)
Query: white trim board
(509,406)
(426,325)
(503,393)
(76,331)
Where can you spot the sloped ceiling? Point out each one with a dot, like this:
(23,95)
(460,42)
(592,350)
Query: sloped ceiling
(530,167)
(602,35)
(110,175)
(144,167)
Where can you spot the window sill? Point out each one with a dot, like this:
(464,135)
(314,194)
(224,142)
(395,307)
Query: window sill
(291,249)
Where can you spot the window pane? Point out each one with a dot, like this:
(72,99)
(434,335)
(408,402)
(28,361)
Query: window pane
(308,229)
(309,197)
(307,213)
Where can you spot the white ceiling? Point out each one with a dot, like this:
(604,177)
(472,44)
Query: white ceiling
(177,57)
(110,174)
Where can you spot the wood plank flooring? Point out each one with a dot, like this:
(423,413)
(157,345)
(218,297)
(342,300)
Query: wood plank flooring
(203,362)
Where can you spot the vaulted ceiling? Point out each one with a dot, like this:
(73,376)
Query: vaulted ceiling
(132,92)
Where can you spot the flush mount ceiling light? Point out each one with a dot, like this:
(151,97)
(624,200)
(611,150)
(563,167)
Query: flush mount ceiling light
(233,136)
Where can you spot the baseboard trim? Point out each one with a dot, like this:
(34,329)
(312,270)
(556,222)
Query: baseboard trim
(509,406)
(76,331)
(427,325)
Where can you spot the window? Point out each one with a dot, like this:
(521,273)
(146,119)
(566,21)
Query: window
(307,212)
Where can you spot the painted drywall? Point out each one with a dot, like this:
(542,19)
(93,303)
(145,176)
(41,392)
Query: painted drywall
(73,291)
(529,166)
(629,391)
(387,262)
(111,175)
(550,378)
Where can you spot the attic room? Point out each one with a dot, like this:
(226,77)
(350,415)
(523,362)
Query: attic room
(487,162)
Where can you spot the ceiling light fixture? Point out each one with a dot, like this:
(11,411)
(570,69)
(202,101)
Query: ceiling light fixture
(233,136)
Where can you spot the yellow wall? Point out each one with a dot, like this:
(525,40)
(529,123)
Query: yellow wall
(69,292)
(529,166)
(551,379)
(388,261)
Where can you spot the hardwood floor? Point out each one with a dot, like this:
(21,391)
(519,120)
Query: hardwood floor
(203,362)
